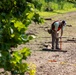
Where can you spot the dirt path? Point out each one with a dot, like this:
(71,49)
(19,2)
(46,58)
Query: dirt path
(54,62)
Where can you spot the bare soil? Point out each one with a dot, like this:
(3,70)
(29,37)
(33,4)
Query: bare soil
(53,62)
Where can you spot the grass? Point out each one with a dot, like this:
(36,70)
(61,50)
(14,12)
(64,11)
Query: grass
(55,12)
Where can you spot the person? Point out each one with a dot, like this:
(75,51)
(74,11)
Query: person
(56,26)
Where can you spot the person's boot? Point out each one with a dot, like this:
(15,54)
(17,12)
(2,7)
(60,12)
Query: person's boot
(52,48)
(57,48)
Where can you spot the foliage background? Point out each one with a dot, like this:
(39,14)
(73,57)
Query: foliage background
(50,5)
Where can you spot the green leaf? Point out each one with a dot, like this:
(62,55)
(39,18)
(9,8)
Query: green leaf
(30,37)
(11,30)
(16,57)
(23,67)
(3,14)
(14,2)
(19,25)
(24,37)
(30,15)
(25,52)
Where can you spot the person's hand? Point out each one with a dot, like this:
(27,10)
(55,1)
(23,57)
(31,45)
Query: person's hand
(60,37)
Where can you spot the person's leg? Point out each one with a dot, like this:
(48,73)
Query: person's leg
(53,39)
(57,41)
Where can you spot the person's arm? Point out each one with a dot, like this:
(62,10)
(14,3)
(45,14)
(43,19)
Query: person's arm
(61,32)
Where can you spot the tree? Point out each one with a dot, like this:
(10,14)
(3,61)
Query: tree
(15,17)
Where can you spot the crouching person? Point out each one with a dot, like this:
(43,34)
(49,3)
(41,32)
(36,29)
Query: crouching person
(55,28)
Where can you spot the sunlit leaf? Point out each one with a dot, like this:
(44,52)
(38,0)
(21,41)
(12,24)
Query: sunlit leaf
(12,35)
(11,30)
(19,25)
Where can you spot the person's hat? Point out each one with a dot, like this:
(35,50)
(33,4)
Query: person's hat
(64,22)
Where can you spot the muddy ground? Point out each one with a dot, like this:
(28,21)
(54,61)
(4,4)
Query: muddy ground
(53,62)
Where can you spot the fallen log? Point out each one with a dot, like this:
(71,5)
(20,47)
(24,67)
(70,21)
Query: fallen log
(47,18)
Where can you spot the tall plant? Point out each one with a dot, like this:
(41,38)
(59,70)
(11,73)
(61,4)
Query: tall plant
(15,17)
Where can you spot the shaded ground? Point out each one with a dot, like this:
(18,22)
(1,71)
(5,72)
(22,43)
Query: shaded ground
(54,62)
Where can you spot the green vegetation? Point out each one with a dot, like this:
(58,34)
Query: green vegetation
(15,17)
(55,12)
(50,5)
(53,7)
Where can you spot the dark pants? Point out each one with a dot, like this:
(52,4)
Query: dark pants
(55,40)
